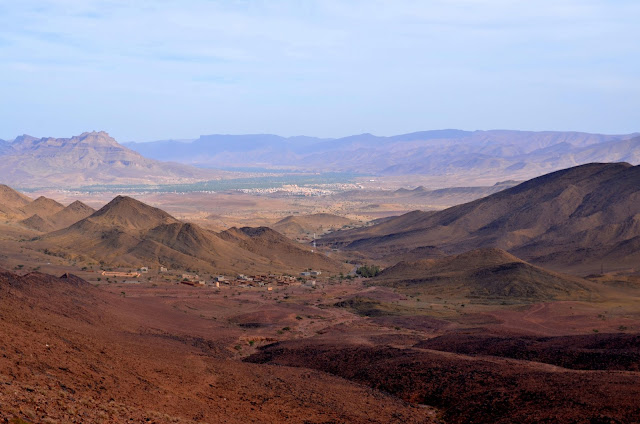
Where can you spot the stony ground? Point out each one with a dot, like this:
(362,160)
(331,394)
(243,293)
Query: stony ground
(162,352)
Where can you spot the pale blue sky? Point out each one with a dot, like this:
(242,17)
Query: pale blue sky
(145,70)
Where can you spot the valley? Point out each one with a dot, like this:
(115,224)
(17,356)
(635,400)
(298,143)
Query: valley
(319,212)
(208,307)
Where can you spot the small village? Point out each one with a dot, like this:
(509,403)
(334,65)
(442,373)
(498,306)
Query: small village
(305,278)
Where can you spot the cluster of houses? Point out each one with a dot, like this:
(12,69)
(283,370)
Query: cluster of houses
(192,280)
(241,280)
(121,274)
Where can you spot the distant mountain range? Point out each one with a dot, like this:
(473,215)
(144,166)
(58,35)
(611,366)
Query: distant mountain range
(95,158)
(503,153)
(88,159)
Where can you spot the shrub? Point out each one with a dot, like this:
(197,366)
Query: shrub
(368,271)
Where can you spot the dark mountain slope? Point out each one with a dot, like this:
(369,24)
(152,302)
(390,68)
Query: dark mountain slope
(568,216)
(489,274)
(280,251)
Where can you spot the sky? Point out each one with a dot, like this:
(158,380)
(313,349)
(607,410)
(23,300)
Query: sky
(175,69)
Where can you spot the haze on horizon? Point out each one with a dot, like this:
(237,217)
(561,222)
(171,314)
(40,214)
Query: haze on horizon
(157,70)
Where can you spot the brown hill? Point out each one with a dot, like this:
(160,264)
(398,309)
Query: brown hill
(42,206)
(38,223)
(58,220)
(304,226)
(34,213)
(113,233)
(71,214)
(127,232)
(11,203)
(39,212)
(572,217)
(128,214)
(201,248)
(280,251)
(485,274)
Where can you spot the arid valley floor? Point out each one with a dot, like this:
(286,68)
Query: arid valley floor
(445,334)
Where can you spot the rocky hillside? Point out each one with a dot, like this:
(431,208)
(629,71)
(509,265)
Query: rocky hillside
(12,202)
(488,274)
(304,226)
(72,352)
(127,232)
(42,214)
(88,159)
(582,216)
